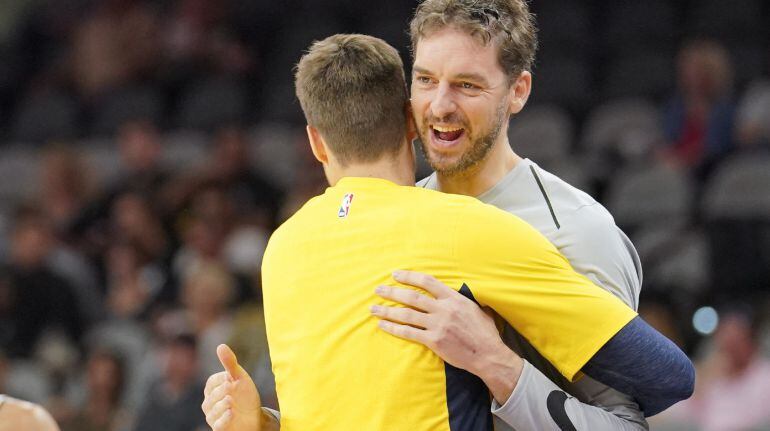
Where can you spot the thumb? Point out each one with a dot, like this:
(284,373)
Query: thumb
(230,362)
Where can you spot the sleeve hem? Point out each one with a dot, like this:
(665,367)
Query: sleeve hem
(617,321)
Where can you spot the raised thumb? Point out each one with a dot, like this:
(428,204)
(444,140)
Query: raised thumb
(230,362)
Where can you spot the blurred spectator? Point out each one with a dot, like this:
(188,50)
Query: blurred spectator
(140,146)
(244,249)
(63,193)
(64,185)
(207,294)
(101,411)
(133,282)
(35,298)
(116,43)
(135,221)
(249,341)
(732,386)
(256,199)
(142,173)
(209,220)
(309,181)
(137,250)
(24,379)
(698,121)
(173,402)
(195,35)
(132,293)
(129,212)
(753,117)
(210,234)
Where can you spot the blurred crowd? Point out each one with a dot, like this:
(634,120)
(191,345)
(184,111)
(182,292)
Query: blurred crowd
(149,148)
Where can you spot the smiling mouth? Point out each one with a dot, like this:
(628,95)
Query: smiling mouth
(447,134)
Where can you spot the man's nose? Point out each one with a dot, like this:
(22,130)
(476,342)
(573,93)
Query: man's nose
(443,103)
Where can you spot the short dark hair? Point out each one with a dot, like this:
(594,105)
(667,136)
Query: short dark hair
(352,89)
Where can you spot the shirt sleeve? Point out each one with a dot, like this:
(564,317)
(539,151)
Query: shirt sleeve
(598,249)
(513,269)
(537,404)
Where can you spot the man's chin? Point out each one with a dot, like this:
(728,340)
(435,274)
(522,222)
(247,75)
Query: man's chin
(442,164)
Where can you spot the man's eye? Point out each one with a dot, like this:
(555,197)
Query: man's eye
(468,86)
(423,80)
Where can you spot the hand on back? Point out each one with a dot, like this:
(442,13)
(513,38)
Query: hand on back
(448,323)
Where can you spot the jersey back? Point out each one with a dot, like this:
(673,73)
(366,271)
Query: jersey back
(336,370)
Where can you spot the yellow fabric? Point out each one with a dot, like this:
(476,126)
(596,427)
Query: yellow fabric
(335,370)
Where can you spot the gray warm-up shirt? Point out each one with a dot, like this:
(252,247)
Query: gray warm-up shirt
(586,234)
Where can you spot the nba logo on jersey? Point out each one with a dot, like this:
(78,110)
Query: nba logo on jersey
(345,207)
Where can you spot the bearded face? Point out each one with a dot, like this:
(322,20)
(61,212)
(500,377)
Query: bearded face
(460,99)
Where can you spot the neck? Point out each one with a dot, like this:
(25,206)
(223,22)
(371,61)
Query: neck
(484,175)
(398,169)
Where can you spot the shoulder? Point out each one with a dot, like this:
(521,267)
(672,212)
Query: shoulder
(307,211)
(591,219)
(564,197)
(580,215)
(301,220)
(598,248)
(491,232)
(589,237)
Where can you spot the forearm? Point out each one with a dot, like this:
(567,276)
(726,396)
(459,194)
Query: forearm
(641,362)
(538,404)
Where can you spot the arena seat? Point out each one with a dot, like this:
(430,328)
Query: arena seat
(542,132)
(650,194)
(736,209)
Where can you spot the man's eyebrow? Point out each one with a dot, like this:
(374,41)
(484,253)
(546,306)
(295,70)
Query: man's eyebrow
(475,77)
(472,77)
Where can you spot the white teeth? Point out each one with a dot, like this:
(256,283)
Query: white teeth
(446,129)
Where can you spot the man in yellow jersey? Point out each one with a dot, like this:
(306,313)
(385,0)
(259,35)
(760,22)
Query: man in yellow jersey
(320,265)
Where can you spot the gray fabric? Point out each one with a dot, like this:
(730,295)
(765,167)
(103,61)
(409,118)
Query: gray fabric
(524,409)
(275,414)
(586,234)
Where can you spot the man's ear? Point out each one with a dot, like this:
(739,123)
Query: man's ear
(317,144)
(520,91)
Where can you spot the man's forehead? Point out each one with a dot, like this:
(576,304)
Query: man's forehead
(454,51)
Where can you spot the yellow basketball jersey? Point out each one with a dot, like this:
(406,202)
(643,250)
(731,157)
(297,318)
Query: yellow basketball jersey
(335,370)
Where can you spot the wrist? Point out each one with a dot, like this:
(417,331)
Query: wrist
(500,372)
